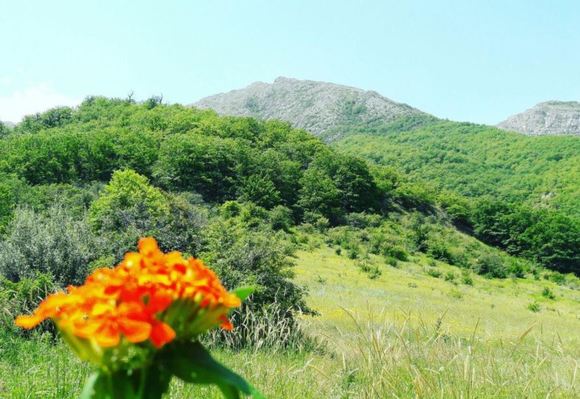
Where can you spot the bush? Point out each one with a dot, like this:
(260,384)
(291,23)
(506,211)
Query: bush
(534,307)
(361,220)
(391,261)
(491,265)
(127,199)
(516,269)
(396,252)
(547,293)
(353,253)
(317,220)
(281,218)
(466,278)
(439,250)
(258,258)
(434,273)
(54,243)
(371,270)
(556,277)
(449,276)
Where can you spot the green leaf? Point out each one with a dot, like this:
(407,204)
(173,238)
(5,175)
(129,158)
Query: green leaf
(244,292)
(192,363)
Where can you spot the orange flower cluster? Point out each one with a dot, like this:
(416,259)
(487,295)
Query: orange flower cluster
(150,295)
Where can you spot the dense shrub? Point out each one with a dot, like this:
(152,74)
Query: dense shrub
(127,199)
(11,188)
(54,243)
(243,257)
(491,265)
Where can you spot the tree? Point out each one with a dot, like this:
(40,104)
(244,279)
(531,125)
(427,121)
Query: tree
(127,199)
(319,194)
(260,190)
(205,164)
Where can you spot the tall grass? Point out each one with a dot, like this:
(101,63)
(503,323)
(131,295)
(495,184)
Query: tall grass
(396,360)
(270,328)
(372,360)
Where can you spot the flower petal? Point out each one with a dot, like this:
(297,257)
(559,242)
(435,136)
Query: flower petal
(28,321)
(161,334)
(135,331)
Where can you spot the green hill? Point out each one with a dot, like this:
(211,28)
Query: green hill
(478,160)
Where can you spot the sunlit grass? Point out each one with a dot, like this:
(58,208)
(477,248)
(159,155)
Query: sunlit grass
(408,294)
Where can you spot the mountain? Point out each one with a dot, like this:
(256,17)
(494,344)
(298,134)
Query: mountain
(552,117)
(318,107)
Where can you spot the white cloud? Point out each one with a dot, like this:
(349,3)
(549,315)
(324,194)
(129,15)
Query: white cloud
(33,99)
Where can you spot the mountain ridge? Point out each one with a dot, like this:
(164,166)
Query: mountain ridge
(331,110)
(311,105)
(546,118)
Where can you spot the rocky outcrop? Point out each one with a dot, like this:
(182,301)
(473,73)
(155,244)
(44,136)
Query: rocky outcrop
(552,117)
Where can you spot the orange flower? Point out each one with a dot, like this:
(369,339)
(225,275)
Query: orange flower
(149,296)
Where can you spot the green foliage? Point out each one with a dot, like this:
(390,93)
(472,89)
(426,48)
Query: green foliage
(54,243)
(475,160)
(70,155)
(4,130)
(449,276)
(466,277)
(55,117)
(534,307)
(491,265)
(458,207)
(434,273)
(128,198)
(214,162)
(22,297)
(548,293)
(546,236)
(259,190)
(438,250)
(11,189)
(371,270)
(319,194)
(533,182)
(253,255)
(392,261)
(281,218)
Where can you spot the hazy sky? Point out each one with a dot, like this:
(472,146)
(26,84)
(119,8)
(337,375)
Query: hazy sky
(464,60)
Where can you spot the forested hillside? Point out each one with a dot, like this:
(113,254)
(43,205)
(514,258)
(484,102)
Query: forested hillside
(513,191)
(527,188)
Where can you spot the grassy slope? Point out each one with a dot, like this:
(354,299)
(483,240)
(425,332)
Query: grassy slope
(408,294)
(396,344)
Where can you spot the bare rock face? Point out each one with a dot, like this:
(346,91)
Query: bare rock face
(314,106)
(552,117)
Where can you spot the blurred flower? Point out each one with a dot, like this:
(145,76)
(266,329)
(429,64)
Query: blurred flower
(150,296)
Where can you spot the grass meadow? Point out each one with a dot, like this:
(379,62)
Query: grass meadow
(401,334)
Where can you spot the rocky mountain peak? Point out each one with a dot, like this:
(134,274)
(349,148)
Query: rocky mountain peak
(551,117)
(311,105)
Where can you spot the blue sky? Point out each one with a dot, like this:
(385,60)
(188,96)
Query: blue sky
(464,60)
